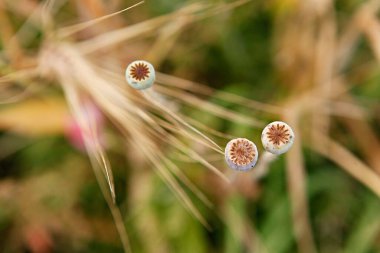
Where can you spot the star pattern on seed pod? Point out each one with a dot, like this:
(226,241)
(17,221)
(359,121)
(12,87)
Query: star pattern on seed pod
(277,133)
(242,152)
(277,137)
(140,71)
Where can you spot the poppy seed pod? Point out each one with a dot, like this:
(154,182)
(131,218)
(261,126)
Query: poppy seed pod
(241,154)
(140,75)
(277,137)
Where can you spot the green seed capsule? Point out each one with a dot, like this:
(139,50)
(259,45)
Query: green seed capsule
(277,137)
(241,154)
(140,75)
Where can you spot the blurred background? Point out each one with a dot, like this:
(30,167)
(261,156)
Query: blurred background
(87,164)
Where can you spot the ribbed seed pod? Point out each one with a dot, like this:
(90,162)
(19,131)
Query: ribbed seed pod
(241,154)
(140,75)
(277,137)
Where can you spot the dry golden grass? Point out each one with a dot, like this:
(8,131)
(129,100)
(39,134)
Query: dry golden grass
(90,68)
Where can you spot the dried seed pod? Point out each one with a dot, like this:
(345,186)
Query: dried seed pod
(241,154)
(140,75)
(277,137)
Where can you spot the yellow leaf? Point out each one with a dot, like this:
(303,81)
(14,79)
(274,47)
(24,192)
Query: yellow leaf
(34,117)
